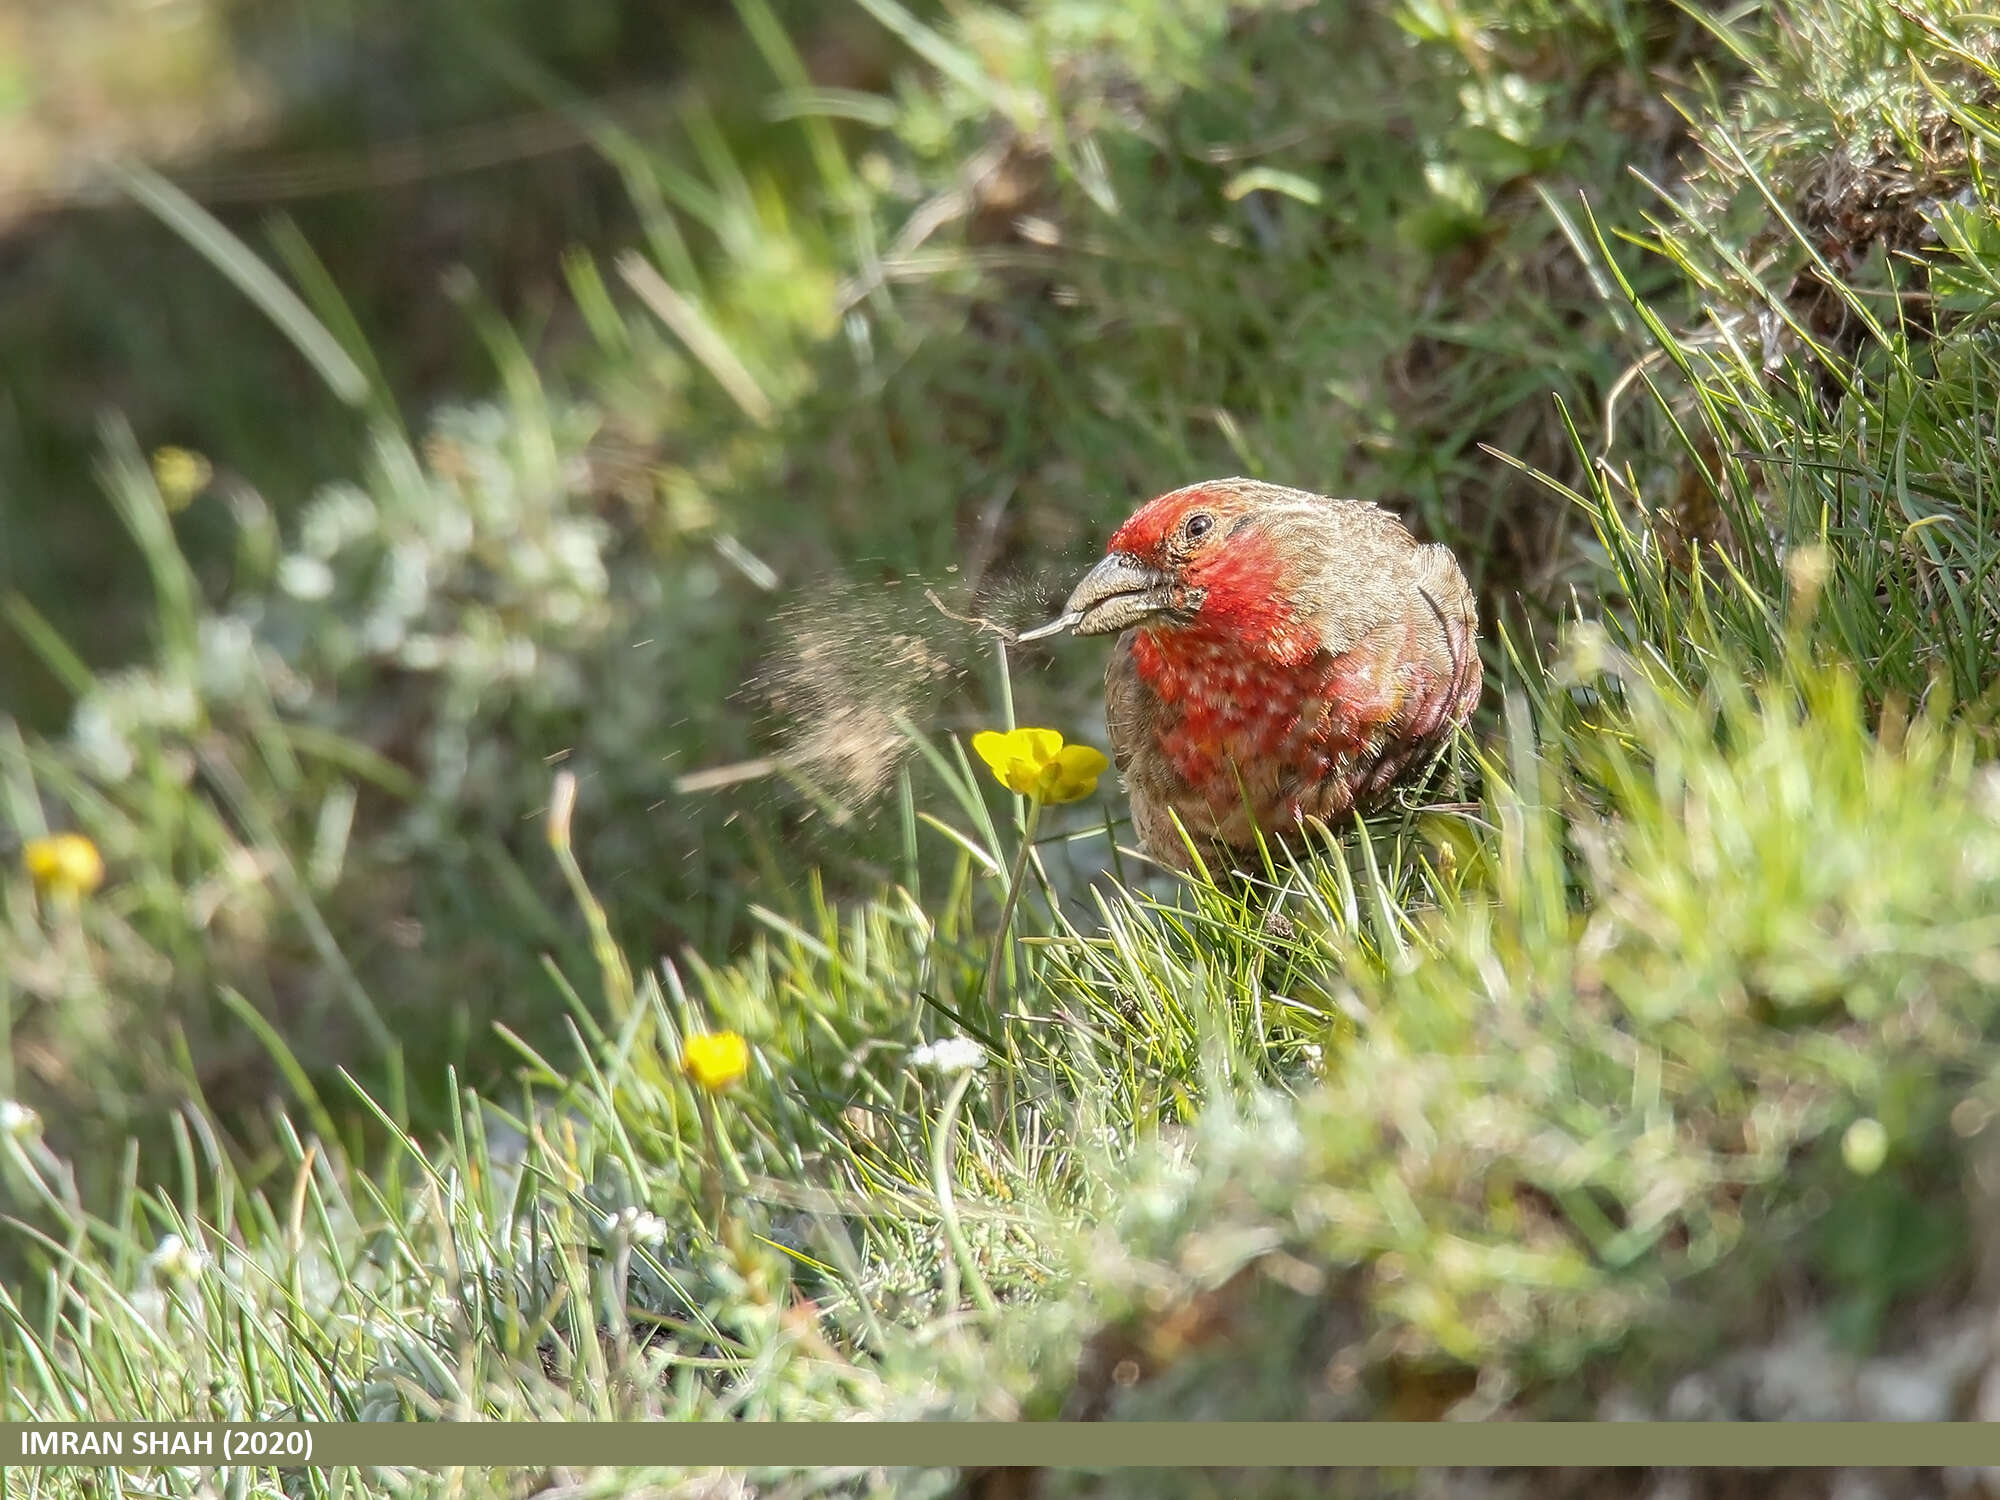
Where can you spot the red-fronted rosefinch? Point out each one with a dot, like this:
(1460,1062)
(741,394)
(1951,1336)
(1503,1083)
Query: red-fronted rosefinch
(1283,656)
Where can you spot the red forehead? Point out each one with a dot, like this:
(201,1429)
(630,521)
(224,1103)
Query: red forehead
(1146,530)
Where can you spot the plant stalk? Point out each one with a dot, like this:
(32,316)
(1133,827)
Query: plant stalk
(947,1130)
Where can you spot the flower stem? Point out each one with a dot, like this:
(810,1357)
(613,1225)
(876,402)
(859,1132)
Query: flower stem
(711,1165)
(1014,882)
(616,1300)
(947,1129)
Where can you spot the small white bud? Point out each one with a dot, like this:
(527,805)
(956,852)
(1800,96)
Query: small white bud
(632,1225)
(949,1055)
(174,1259)
(305,577)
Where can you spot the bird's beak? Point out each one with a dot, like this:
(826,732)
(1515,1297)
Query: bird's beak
(1118,593)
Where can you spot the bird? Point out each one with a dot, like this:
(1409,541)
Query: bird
(1282,657)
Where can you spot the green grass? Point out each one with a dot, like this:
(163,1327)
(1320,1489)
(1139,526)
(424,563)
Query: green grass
(595,552)
(1541,1093)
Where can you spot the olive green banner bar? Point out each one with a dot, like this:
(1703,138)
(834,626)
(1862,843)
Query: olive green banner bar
(765,1445)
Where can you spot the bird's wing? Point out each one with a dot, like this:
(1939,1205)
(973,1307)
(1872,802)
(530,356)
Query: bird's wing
(1129,705)
(1446,638)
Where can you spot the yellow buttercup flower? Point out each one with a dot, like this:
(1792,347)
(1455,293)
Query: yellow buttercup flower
(63,864)
(715,1060)
(1036,763)
(181,474)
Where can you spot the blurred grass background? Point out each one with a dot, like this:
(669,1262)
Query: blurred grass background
(396,151)
(410,406)
(909,284)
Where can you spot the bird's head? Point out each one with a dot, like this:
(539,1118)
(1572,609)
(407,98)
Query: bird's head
(1205,558)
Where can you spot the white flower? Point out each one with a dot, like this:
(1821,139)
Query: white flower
(951,1054)
(226,656)
(100,741)
(635,1226)
(175,1259)
(337,516)
(304,577)
(17,1120)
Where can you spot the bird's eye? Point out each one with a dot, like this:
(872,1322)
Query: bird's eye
(1199,525)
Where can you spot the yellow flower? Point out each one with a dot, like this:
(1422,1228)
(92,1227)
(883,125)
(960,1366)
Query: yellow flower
(63,864)
(715,1060)
(1036,763)
(181,474)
